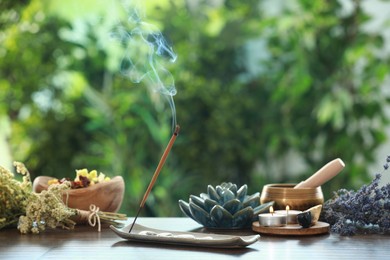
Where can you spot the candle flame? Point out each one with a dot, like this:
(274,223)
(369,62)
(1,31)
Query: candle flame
(271,210)
(287,209)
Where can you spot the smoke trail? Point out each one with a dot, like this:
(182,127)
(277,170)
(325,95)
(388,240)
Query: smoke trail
(145,46)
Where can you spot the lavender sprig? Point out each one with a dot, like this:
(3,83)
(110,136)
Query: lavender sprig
(360,212)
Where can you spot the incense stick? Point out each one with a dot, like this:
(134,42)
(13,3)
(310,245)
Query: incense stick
(157,172)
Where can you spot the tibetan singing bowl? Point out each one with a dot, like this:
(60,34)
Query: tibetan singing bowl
(297,199)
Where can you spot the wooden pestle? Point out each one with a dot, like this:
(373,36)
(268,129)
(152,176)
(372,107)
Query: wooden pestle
(323,175)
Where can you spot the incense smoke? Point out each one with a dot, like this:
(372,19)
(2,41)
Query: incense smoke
(146,49)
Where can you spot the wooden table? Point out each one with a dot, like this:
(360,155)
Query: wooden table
(86,243)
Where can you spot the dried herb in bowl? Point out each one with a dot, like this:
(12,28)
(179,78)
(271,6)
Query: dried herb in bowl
(84,178)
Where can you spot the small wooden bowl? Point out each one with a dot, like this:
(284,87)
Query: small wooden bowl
(107,196)
(296,199)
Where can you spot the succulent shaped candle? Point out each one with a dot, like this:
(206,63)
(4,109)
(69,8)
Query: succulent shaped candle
(224,206)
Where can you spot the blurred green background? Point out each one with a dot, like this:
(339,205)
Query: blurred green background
(267,91)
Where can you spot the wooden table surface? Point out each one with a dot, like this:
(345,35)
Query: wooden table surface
(85,242)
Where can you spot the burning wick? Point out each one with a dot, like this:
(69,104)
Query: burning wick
(271,210)
(157,172)
(287,209)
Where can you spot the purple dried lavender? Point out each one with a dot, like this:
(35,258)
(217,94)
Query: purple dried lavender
(360,212)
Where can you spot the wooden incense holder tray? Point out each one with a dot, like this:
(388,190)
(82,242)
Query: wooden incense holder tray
(292,230)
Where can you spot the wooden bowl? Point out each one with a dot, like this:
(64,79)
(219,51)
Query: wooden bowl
(107,195)
(296,199)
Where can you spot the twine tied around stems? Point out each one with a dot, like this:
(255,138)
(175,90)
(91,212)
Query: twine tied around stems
(93,216)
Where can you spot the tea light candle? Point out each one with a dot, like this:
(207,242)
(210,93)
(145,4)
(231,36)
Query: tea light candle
(291,215)
(271,219)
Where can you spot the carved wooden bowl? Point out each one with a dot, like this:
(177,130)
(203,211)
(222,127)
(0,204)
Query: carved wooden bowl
(107,195)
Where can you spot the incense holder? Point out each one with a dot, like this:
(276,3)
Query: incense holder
(224,206)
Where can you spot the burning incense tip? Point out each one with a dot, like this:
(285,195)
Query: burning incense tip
(177,130)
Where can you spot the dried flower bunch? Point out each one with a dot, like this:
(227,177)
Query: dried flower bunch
(360,212)
(33,212)
(46,209)
(14,195)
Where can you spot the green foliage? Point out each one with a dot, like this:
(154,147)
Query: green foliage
(254,87)
(331,82)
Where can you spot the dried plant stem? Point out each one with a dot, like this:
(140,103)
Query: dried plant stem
(94,216)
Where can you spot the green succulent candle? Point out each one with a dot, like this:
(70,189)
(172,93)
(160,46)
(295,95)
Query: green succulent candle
(224,206)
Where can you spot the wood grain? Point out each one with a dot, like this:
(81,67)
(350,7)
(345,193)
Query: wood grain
(86,243)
